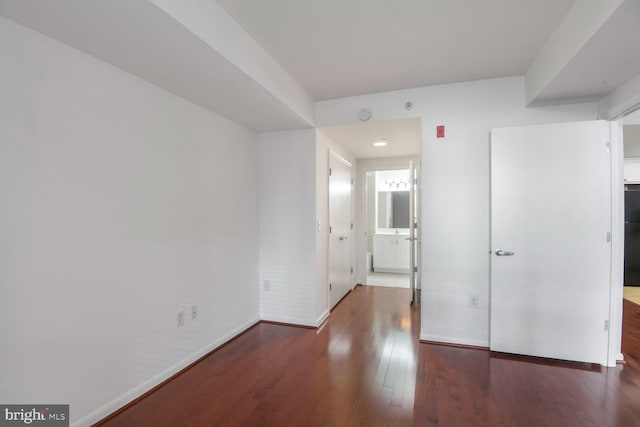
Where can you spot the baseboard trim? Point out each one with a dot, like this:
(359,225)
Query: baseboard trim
(292,325)
(319,321)
(131,397)
(324,316)
(448,344)
(289,322)
(454,342)
(342,299)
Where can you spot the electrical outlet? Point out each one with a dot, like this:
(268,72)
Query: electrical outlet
(180,318)
(267,285)
(474,301)
(194,312)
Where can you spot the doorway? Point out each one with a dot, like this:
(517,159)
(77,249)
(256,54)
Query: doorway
(388,200)
(384,145)
(631,131)
(630,339)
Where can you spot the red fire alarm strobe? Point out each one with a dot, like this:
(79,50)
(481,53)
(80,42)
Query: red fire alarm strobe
(440,131)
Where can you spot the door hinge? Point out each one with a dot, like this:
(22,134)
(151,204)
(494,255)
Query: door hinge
(329,229)
(329,171)
(352,226)
(606,325)
(351,270)
(351,181)
(329,286)
(608,237)
(415,268)
(607,146)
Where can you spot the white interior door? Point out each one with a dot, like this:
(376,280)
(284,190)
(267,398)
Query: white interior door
(415,240)
(340,264)
(551,255)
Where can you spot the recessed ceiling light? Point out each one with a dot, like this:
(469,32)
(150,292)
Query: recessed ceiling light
(380,143)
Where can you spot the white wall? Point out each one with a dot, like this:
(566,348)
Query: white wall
(121,205)
(621,101)
(631,140)
(294,215)
(631,153)
(287,189)
(455,187)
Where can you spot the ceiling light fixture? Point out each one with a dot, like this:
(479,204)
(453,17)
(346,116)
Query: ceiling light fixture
(380,143)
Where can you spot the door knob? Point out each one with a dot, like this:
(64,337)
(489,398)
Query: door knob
(500,252)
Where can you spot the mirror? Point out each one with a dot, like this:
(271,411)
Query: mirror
(393,209)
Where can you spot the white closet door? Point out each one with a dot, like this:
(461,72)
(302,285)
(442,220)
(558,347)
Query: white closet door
(340,229)
(550,261)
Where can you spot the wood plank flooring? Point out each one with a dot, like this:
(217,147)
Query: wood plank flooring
(632,293)
(631,334)
(366,367)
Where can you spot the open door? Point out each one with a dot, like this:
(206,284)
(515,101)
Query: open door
(551,240)
(414,240)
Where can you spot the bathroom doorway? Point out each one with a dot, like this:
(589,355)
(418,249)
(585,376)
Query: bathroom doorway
(391,217)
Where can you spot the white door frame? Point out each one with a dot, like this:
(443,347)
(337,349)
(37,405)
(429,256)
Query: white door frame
(416,237)
(617,244)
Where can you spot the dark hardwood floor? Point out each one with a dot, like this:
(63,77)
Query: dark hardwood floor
(366,367)
(631,335)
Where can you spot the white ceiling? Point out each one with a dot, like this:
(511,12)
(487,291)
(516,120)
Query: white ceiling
(609,59)
(337,48)
(143,39)
(632,119)
(260,63)
(403,138)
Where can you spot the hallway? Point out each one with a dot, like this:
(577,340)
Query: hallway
(366,367)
